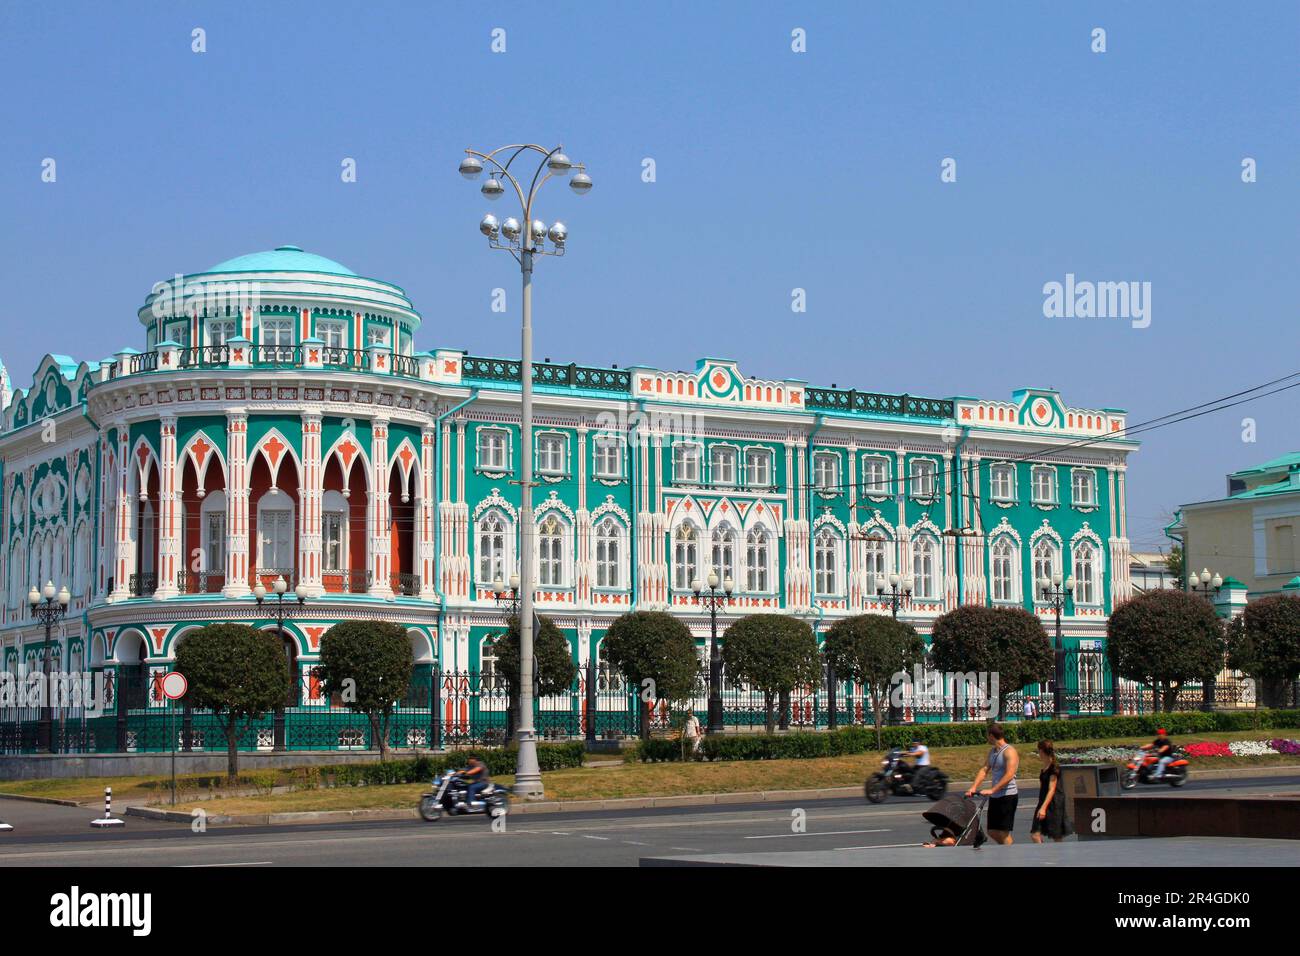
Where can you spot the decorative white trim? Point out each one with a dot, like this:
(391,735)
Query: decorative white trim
(494,500)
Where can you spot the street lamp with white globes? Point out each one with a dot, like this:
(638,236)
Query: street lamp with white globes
(1207,585)
(280,590)
(48,606)
(713,599)
(899,591)
(525,238)
(1055,595)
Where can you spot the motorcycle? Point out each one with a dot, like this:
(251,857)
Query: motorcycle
(893,778)
(1142,767)
(449,795)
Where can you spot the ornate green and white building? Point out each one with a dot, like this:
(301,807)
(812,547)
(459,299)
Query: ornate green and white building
(280,422)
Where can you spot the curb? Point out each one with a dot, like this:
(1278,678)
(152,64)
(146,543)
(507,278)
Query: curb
(51,800)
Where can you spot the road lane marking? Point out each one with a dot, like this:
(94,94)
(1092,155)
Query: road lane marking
(195,866)
(782,836)
(875,846)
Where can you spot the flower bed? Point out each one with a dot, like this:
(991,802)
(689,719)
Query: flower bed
(1208,748)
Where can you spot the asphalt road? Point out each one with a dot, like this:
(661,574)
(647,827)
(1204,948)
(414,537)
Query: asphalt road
(49,835)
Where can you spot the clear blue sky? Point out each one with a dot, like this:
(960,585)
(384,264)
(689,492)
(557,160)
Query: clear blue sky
(775,170)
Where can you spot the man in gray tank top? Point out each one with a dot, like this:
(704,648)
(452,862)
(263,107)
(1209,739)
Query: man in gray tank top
(1000,768)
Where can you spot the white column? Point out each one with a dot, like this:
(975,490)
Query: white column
(426,547)
(124,533)
(582,529)
(310,495)
(169,519)
(380,513)
(237,504)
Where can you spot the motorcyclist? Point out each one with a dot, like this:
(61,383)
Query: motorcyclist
(475,773)
(1163,748)
(920,753)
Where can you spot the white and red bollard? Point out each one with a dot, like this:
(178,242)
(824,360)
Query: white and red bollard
(108,820)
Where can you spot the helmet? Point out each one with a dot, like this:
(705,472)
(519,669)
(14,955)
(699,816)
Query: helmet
(1162,731)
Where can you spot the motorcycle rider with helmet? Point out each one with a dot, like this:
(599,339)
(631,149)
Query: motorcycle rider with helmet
(1164,749)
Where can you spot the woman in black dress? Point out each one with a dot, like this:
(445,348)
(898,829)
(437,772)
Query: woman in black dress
(1050,817)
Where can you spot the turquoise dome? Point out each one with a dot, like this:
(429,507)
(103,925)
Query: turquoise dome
(283,259)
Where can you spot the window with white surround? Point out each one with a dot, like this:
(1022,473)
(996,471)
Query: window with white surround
(333,332)
(877,552)
(179,332)
(493,536)
(1047,564)
(922,477)
(334,532)
(609,550)
(686,463)
(724,553)
(1002,482)
(379,335)
(826,473)
(686,556)
(1004,569)
(758,467)
(826,561)
(276,536)
(493,449)
(875,477)
(609,457)
(277,331)
(551,449)
(722,465)
(1044,482)
(212,532)
(757,560)
(220,331)
(1086,574)
(925,567)
(550,543)
(1084,485)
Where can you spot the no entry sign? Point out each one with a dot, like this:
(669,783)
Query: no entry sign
(174,685)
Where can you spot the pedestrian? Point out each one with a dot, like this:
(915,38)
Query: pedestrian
(1031,709)
(1051,816)
(1000,767)
(691,734)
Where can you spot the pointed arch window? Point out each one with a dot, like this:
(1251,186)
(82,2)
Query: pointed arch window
(724,552)
(757,561)
(550,542)
(492,540)
(877,552)
(826,560)
(609,553)
(1086,575)
(686,556)
(1047,563)
(1004,569)
(925,567)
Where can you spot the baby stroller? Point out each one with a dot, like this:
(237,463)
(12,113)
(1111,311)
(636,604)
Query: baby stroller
(956,818)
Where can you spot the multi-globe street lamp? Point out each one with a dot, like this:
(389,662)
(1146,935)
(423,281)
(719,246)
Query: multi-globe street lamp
(899,591)
(1055,595)
(1207,585)
(713,599)
(48,607)
(280,590)
(525,240)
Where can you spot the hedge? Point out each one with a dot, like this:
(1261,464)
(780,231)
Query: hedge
(500,762)
(802,745)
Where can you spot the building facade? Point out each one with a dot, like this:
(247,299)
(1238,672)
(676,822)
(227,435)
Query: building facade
(281,424)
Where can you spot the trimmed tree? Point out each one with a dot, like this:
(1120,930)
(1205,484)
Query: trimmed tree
(774,653)
(871,649)
(656,653)
(552,662)
(1165,639)
(368,664)
(238,673)
(1006,641)
(1264,643)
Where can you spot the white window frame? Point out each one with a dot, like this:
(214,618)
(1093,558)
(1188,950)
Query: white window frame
(333,332)
(758,561)
(1037,472)
(276,330)
(213,504)
(686,556)
(499,562)
(1087,573)
(553,551)
(549,445)
(826,479)
(220,331)
(482,437)
(1045,546)
(178,332)
(876,490)
(377,334)
(877,555)
(609,534)
(1004,570)
(687,453)
(758,467)
(334,508)
(925,574)
(1075,474)
(827,561)
(723,459)
(927,474)
(279,503)
(723,552)
(603,448)
(1002,482)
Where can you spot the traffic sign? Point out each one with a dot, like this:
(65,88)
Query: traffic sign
(174,685)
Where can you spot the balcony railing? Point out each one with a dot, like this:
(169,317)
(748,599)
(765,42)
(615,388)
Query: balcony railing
(266,577)
(143,584)
(546,373)
(851,400)
(200,582)
(405,584)
(345,582)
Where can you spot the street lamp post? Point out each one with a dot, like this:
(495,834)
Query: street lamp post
(48,607)
(509,601)
(900,591)
(279,587)
(524,241)
(1206,585)
(1055,595)
(713,599)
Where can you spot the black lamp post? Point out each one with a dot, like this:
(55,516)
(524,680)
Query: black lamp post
(510,600)
(279,588)
(47,607)
(1206,585)
(714,599)
(1055,595)
(899,591)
